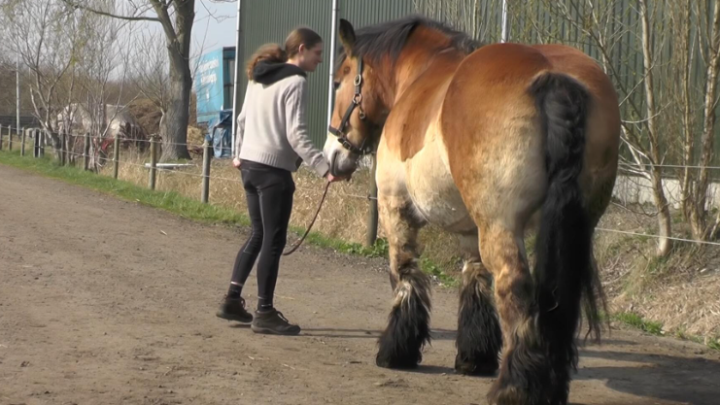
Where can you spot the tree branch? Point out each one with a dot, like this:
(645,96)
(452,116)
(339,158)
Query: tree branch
(111,15)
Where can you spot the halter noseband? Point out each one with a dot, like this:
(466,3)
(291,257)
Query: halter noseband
(365,148)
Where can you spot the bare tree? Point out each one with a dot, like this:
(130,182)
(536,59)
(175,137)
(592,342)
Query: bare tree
(148,71)
(602,31)
(48,38)
(103,68)
(696,206)
(176,18)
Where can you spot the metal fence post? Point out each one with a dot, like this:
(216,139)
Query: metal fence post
(206,173)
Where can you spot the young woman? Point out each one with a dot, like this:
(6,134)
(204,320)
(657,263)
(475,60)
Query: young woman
(272,142)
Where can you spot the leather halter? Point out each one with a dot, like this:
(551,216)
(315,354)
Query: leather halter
(365,147)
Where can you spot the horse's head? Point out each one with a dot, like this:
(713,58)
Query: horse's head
(379,63)
(359,112)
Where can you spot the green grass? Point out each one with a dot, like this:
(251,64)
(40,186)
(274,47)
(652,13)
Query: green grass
(656,328)
(635,320)
(192,209)
(168,201)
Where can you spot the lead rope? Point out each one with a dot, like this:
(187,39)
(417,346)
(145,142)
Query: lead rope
(322,200)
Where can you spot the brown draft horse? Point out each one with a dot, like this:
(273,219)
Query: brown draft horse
(482,141)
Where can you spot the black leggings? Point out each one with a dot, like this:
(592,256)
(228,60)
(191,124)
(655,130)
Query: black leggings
(269,192)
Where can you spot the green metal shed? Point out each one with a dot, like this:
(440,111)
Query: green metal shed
(263,21)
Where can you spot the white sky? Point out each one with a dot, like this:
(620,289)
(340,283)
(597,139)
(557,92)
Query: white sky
(214,27)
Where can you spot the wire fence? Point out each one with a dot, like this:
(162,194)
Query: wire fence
(10,138)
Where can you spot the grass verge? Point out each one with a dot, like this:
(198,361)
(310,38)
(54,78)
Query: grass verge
(656,328)
(193,209)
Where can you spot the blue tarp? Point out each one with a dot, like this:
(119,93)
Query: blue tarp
(220,134)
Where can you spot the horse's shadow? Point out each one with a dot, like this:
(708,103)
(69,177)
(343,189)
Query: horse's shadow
(653,376)
(662,377)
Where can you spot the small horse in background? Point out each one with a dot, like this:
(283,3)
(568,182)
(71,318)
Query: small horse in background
(483,141)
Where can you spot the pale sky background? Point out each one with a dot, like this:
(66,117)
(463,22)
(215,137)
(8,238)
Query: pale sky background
(215,24)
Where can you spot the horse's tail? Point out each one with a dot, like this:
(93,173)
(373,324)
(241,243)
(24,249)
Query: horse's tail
(564,270)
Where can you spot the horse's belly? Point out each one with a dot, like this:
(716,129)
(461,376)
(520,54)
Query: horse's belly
(434,193)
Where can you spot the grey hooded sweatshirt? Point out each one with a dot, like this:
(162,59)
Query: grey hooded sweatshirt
(271,125)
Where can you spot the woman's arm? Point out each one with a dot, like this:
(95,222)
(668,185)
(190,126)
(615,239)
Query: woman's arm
(240,130)
(297,135)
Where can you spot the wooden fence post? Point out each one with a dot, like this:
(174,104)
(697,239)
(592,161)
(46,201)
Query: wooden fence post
(22,141)
(206,173)
(36,143)
(372,222)
(42,143)
(10,137)
(63,149)
(116,157)
(153,161)
(86,151)
(1,138)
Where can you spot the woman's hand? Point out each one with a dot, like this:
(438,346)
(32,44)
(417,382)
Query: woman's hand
(331,179)
(236,163)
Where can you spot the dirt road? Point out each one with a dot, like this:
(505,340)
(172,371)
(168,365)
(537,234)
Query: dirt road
(110,302)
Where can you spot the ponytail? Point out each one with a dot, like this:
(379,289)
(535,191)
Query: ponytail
(272,53)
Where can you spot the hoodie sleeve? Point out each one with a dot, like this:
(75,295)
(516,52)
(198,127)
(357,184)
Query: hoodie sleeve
(240,129)
(297,128)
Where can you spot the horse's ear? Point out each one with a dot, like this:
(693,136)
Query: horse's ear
(347,35)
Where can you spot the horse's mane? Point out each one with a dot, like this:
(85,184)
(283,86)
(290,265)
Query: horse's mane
(388,39)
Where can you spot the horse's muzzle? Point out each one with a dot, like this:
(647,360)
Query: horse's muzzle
(341,164)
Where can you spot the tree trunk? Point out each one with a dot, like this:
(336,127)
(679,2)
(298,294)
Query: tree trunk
(685,51)
(664,218)
(178,35)
(698,218)
(175,123)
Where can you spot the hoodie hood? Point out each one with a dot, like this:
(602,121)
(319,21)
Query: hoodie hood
(269,73)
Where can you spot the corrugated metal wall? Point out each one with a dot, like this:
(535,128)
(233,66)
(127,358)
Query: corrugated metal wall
(368,12)
(532,21)
(271,20)
(571,22)
(266,21)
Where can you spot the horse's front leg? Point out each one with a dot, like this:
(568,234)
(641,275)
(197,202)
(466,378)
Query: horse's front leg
(401,343)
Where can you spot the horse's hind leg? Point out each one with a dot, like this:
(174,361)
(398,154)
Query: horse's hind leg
(408,329)
(525,372)
(479,339)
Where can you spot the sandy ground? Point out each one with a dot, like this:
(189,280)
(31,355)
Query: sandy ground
(109,302)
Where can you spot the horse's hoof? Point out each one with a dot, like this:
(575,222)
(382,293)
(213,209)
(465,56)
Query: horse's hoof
(399,361)
(486,367)
(504,392)
(507,395)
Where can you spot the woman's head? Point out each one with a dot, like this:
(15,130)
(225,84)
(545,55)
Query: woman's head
(303,47)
